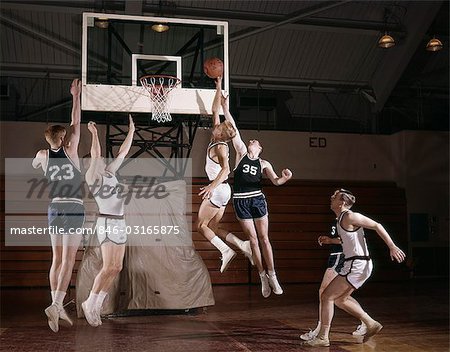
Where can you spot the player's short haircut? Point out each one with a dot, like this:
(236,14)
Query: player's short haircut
(228,130)
(54,133)
(347,196)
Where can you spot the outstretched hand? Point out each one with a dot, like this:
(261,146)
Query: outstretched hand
(206,192)
(397,254)
(286,173)
(218,81)
(324,240)
(75,87)
(92,127)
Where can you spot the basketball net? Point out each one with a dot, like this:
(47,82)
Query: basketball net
(158,88)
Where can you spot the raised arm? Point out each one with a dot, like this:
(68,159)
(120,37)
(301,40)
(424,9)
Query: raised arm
(40,160)
(359,220)
(238,143)
(124,148)
(222,154)
(286,174)
(94,171)
(216,103)
(74,138)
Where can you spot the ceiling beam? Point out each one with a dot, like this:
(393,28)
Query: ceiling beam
(296,84)
(52,40)
(234,17)
(290,18)
(37,34)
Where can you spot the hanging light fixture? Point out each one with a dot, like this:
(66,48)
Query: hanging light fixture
(160,27)
(434,45)
(386,41)
(102,22)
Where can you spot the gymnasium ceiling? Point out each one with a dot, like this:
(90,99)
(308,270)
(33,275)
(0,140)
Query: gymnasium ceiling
(315,65)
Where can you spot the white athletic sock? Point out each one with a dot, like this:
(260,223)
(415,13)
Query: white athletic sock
(325,332)
(317,329)
(219,244)
(91,300)
(262,274)
(235,240)
(100,299)
(53,296)
(271,272)
(59,298)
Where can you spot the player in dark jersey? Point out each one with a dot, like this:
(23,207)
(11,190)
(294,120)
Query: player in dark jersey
(61,166)
(335,262)
(250,204)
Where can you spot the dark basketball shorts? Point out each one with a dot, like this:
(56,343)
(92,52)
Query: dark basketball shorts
(336,261)
(250,208)
(67,215)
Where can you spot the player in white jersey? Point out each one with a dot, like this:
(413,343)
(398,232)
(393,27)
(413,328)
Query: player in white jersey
(250,203)
(356,270)
(110,196)
(217,194)
(336,261)
(61,166)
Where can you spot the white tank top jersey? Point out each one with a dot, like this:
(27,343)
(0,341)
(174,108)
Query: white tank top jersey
(353,242)
(213,168)
(110,198)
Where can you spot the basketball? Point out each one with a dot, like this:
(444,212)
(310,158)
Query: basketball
(213,67)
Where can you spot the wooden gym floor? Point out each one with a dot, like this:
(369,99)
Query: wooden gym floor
(415,316)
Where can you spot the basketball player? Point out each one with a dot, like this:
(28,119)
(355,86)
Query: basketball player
(110,197)
(61,166)
(356,269)
(249,202)
(217,194)
(335,263)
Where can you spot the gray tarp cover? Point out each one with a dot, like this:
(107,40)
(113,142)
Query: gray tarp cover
(159,271)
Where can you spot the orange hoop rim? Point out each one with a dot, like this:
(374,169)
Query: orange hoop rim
(176,79)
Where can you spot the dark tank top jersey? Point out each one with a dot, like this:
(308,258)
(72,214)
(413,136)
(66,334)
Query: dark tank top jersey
(64,177)
(247,175)
(334,248)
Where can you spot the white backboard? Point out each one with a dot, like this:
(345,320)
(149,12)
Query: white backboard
(113,59)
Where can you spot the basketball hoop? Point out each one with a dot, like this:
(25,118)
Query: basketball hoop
(158,88)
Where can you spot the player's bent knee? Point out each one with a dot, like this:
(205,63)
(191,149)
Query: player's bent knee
(67,264)
(265,241)
(112,269)
(202,226)
(116,268)
(327,296)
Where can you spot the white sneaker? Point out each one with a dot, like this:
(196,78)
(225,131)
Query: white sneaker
(98,317)
(273,282)
(372,330)
(308,335)
(64,316)
(247,251)
(317,342)
(227,257)
(89,315)
(265,287)
(52,313)
(360,330)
